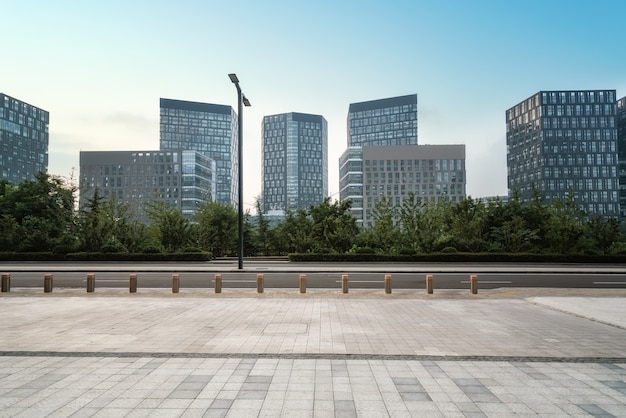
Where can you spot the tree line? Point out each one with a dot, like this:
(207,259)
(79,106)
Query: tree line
(40,216)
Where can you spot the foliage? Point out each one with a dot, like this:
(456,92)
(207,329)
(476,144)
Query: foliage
(564,227)
(38,216)
(263,231)
(384,235)
(217,228)
(171,227)
(294,233)
(333,227)
(604,233)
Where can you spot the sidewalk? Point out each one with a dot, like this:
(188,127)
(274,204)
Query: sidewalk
(322,354)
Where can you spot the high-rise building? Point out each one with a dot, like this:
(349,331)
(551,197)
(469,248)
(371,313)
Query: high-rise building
(180,179)
(384,122)
(207,128)
(428,172)
(295,161)
(23,140)
(621,148)
(565,141)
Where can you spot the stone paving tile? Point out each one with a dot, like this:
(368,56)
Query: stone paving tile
(360,326)
(392,387)
(311,357)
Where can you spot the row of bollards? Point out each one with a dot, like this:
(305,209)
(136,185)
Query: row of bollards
(91,283)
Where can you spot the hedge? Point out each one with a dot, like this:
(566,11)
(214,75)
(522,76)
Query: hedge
(48,256)
(461,258)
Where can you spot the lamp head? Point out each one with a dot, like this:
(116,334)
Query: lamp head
(246,102)
(233,78)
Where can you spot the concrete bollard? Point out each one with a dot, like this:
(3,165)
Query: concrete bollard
(175,283)
(387,283)
(218,283)
(303,283)
(47,283)
(132,283)
(344,283)
(474,283)
(429,284)
(91,282)
(259,283)
(6,282)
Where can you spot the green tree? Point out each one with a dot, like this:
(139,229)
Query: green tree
(468,224)
(564,228)
(603,232)
(293,235)
(9,233)
(94,224)
(42,213)
(514,236)
(104,225)
(250,236)
(217,228)
(333,227)
(425,224)
(263,230)
(409,221)
(536,215)
(172,228)
(383,234)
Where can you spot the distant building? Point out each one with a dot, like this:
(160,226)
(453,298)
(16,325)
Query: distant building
(295,161)
(376,123)
(562,141)
(210,129)
(621,147)
(429,172)
(180,179)
(496,199)
(23,140)
(351,180)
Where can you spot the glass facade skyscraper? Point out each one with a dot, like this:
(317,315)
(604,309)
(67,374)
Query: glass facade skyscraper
(565,141)
(295,161)
(210,129)
(621,147)
(384,122)
(23,140)
(180,179)
(390,121)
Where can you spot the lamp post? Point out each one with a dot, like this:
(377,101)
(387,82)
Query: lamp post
(241,100)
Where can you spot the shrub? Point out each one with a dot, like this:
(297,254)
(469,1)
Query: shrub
(191,249)
(363,250)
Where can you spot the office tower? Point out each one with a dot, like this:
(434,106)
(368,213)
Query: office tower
(23,140)
(180,179)
(207,128)
(621,148)
(562,141)
(383,122)
(429,172)
(295,161)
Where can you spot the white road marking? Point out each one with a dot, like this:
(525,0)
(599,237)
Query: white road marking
(490,282)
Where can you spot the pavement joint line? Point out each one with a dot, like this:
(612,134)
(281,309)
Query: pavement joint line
(316,356)
(598,321)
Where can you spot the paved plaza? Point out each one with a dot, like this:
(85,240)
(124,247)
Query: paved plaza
(501,353)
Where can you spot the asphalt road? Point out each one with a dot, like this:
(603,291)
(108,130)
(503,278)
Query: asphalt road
(363,280)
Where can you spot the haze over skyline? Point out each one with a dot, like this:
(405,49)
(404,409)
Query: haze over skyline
(100,68)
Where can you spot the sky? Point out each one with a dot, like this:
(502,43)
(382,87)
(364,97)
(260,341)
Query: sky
(100,67)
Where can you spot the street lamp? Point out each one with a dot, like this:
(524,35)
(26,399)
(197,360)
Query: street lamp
(241,100)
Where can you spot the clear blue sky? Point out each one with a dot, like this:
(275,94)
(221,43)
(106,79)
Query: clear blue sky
(100,67)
